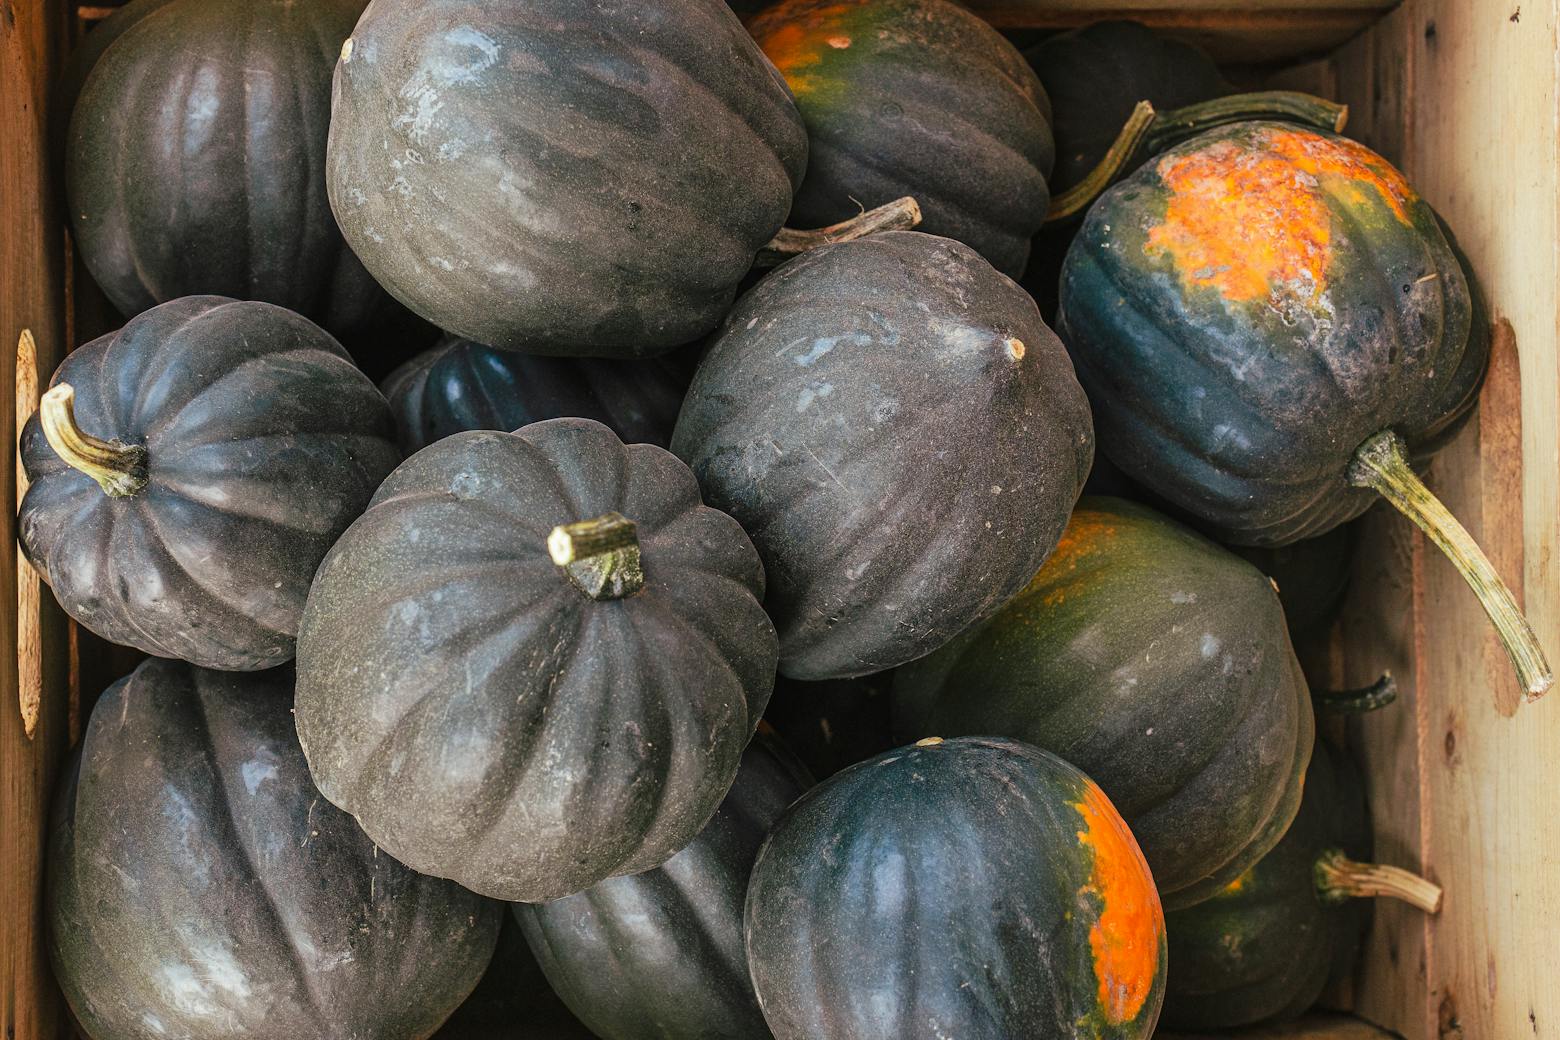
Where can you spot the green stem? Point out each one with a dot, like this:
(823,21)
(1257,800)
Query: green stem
(600,556)
(1381,463)
(899,215)
(1339,878)
(1287,106)
(1378,694)
(1105,173)
(119,469)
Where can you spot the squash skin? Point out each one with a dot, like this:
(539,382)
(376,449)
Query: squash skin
(594,738)
(195,160)
(460,385)
(1266,947)
(586,224)
(920,98)
(1159,663)
(975,888)
(1233,389)
(659,955)
(264,443)
(189,850)
(862,414)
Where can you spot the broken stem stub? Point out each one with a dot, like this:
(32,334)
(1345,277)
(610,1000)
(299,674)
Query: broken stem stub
(600,556)
(899,215)
(1381,463)
(119,469)
(1378,694)
(1339,878)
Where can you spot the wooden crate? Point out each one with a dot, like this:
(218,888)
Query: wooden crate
(1464,779)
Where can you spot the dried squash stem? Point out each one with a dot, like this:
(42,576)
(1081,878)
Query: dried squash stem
(600,556)
(119,469)
(1338,878)
(899,215)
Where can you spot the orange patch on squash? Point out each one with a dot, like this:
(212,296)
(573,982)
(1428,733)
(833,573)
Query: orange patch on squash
(1086,533)
(1126,938)
(1250,217)
(796,38)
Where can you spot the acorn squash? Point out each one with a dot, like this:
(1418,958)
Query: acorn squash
(975,887)
(901,435)
(189,472)
(1160,664)
(199,886)
(533,663)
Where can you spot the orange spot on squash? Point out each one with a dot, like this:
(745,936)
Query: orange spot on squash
(796,34)
(1252,216)
(1239,884)
(1127,938)
(1087,533)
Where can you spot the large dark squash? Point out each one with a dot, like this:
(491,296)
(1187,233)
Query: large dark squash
(195,160)
(1160,664)
(513,1001)
(919,98)
(510,684)
(460,385)
(199,886)
(558,177)
(1265,947)
(901,435)
(212,453)
(659,955)
(974,887)
(1271,323)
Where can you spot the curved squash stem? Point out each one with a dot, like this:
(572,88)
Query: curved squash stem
(600,556)
(1077,198)
(1287,106)
(1378,694)
(119,469)
(1339,878)
(899,215)
(1381,463)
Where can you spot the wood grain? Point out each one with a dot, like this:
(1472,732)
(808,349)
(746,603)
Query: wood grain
(1312,1027)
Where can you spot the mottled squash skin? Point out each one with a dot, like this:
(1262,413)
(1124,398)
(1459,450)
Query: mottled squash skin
(1266,946)
(199,886)
(1249,308)
(901,435)
(920,98)
(561,177)
(1158,662)
(975,887)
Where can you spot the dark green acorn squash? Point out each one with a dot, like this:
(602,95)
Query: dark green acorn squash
(975,887)
(1265,947)
(559,177)
(834,723)
(513,1001)
(510,684)
(901,435)
(920,98)
(659,955)
(1270,323)
(195,160)
(199,886)
(1160,664)
(461,385)
(212,452)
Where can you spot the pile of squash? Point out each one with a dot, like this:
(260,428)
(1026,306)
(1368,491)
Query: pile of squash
(453,720)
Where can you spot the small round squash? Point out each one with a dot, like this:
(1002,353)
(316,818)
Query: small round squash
(189,472)
(561,177)
(901,435)
(660,954)
(198,885)
(533,663)
(973,887)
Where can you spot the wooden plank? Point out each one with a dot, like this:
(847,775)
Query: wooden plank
(1312,1027)
(32,41)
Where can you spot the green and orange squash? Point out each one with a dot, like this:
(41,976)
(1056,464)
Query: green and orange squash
(971,887)
(1157,662)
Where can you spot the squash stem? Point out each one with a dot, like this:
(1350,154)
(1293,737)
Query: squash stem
(600,556)
(1378,694)
(899,215)
(1339,878)
(1288,106)
(119,469)
(1381,463)
(1078,198)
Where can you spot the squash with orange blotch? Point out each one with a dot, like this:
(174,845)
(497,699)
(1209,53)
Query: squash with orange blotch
(1271,324)
(1158,663)
(921,98)
(974,887)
